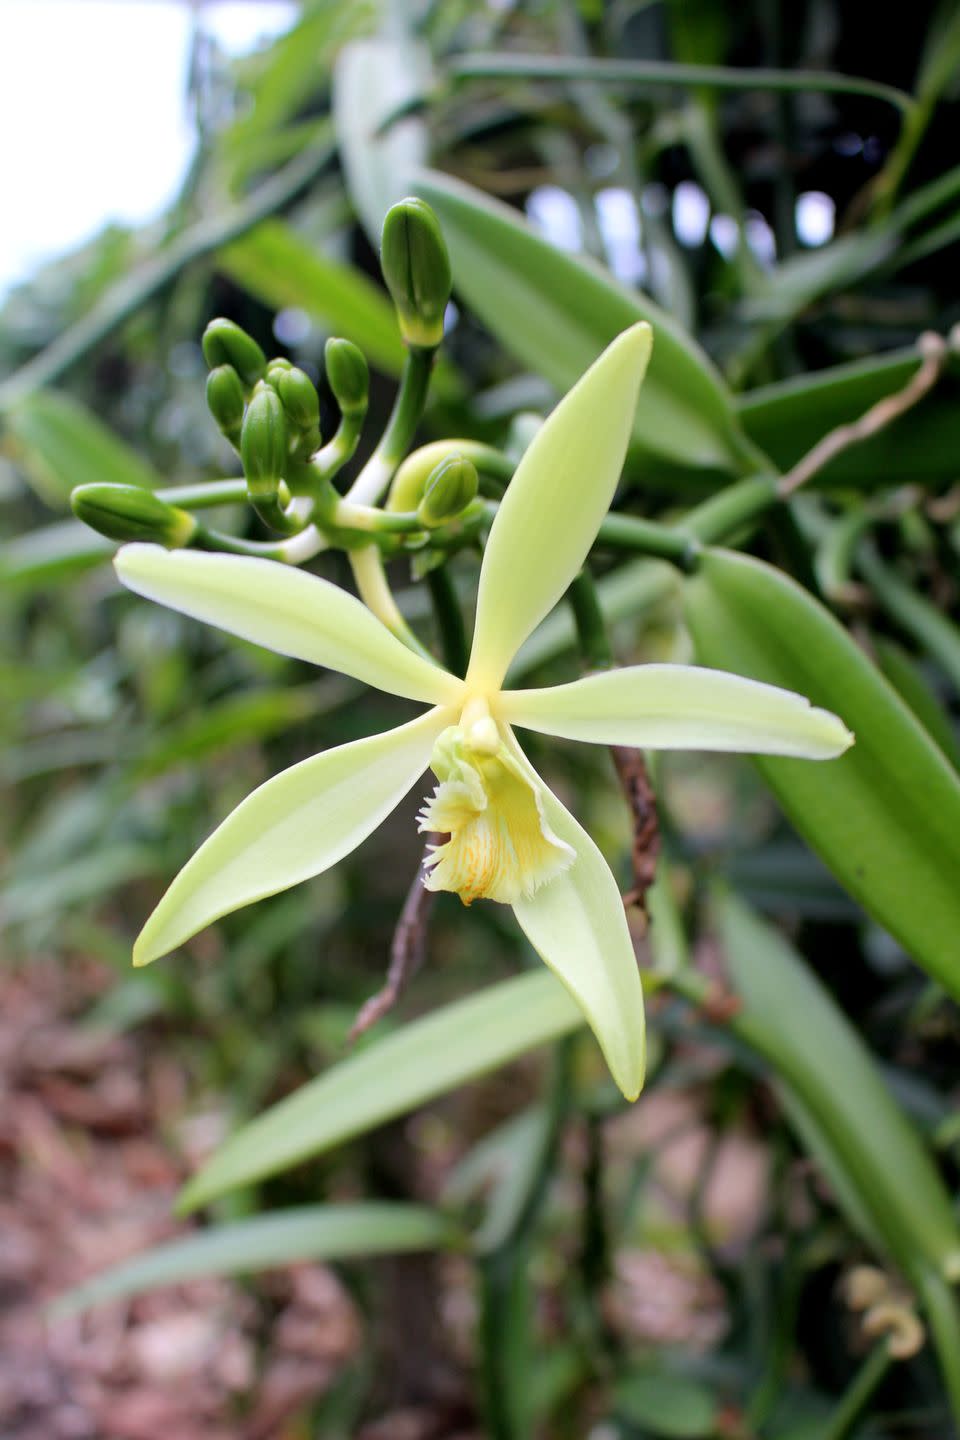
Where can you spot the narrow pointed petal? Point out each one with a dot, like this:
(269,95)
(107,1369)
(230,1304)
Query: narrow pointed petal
(552,510)
(286,610)
(577,925)
(293,827)
(680,707)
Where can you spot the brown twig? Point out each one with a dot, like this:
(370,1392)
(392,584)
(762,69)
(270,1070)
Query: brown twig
(407,950)
(632,774)
(933,351)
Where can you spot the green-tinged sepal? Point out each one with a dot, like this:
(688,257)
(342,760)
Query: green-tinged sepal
(224,343)
(264,444)
(226,401)
(128,512)
(348,376)
(416,269)
(450,487)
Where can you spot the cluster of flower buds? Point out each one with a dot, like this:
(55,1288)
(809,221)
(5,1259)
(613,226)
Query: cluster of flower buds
(269,411)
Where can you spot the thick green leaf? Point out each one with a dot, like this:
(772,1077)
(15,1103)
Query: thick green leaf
(885,816)
(54,552)
(61,444)
(315,1232)
(409,1067)
(911,684)
(556,312)
(372,81)
(835,1096)
(787,419)
(277,266)
(837,1088)
(665,1404)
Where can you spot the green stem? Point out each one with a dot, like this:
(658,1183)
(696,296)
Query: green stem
(859,1393)
(397,438)
(943,1317)
(592,637)
(449,618)
(371,579)
(666,73)
(206,494)
(718,519)
(129,294)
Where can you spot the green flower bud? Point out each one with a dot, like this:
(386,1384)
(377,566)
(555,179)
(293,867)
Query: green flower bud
(226,401)
(224,343)
(348,376)
(448,491)
(300,400)
(416,268)
(276,367)
(128,512)
(264,444)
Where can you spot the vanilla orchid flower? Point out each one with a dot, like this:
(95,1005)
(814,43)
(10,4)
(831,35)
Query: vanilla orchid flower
(509,837)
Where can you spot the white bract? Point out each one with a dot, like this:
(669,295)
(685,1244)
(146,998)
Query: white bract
(509,837)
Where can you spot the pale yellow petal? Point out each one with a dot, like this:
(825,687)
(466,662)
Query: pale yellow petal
(293,827)
(577,925)
(680,707)
(552,510)
(286,610)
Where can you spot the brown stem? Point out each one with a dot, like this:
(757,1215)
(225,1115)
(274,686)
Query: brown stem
(632,774)
(933,351)
(407,950)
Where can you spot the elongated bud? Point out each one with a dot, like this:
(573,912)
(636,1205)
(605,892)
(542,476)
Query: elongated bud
(128,512)
(264,444)
(224,343)
(416,268)
(299,398)
(226,401)
(448,491)
(348,376)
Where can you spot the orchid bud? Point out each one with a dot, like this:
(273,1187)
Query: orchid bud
(226,401)
(276,367)
(348,376)
(224,343)
(264,444)
(449,490)
(416,268)
(128,512)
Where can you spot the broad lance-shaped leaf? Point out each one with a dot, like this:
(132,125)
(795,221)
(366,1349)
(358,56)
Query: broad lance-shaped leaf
(373,80)
(424,1059)
(555,312)
(285,1237)
(292,827)
(870,1148)
(578,927)
(679,707)
(560,492)
(885,817)
(834,1096)
(61,444)
(285,610)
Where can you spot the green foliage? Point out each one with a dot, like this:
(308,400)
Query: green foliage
(801,965)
